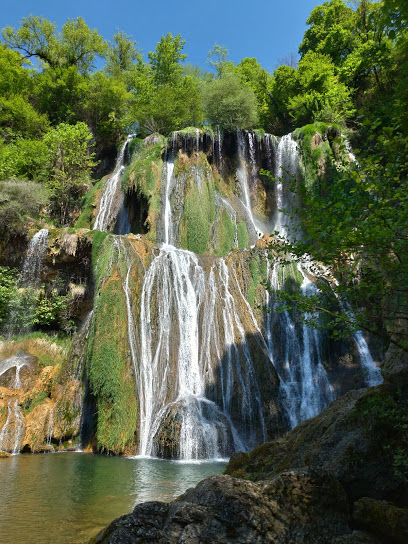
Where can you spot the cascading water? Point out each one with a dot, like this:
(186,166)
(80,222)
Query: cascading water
(111,201)
(30,278)
(242,177)
(286,166)
(197,342)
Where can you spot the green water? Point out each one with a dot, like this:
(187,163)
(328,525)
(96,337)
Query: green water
(66,498)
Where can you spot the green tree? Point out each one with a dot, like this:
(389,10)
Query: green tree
(165,60)
(217,58)
(105,108)
(60,93)
(260,81)
(182,107)
(69,165)
(121,58)
(76,45)
(321,96)
(230,103)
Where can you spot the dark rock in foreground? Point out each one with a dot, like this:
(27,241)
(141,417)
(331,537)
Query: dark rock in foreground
(339,478)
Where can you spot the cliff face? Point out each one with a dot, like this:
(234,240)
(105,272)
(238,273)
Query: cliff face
(181,352)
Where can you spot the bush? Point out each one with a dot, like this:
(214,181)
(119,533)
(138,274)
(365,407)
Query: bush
(229,103)
(19,200)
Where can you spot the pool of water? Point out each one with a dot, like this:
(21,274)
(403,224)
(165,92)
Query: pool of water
(68,497)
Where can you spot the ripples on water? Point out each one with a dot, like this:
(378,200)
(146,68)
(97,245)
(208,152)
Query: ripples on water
(69,497)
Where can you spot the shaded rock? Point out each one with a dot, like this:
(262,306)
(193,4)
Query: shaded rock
(358,537)
(395,366)
(382,518)
(353,439)
(296,506)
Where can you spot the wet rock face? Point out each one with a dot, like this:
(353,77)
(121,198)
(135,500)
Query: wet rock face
(294,507)
(207,426)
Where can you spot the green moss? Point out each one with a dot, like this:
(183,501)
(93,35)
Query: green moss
(255,279)
(143,176)
(108,357)
(87,218)
(242,235)
(263,269)
(290,279)
(225,234)
(31,402)
(97,243)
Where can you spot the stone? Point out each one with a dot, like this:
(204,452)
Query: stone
(296,506)
(382,518)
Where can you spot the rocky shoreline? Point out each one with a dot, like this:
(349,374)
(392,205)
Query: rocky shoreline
(338,478)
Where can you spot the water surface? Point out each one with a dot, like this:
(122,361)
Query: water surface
(69,497)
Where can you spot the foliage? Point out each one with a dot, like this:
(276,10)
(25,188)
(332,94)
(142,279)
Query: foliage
(166,58)
(386,415)
(18,201)
(8,290)
(121,58)
(229,103)
(321,96)
(69,165)
(77,45)
(260,81)
(183,107)
(374,192)
(217,58)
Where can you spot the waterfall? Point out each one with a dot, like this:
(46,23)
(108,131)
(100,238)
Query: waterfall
(110,201)
(12,431)
(286,166)
(196,321)
(30,278)
(17,362)
(242,177)
(168,226)
(305,386)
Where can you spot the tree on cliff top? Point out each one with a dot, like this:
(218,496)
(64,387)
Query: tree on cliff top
(77,44)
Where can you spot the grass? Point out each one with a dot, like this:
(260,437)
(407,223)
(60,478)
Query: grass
(50,349)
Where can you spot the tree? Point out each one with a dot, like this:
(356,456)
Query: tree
(59,92)
(229,103)
(105,107)
(260,81)
(321,95)
(217,58)
(183,107)
(166,58)
(69,165)
(77,44)
(121,58)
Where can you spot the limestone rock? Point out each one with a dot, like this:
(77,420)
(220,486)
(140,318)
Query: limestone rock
(296,506)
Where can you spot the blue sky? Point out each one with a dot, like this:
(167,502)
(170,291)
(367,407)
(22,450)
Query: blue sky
(266,29)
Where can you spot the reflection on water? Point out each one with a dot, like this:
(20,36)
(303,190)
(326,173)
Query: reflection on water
(69,497)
